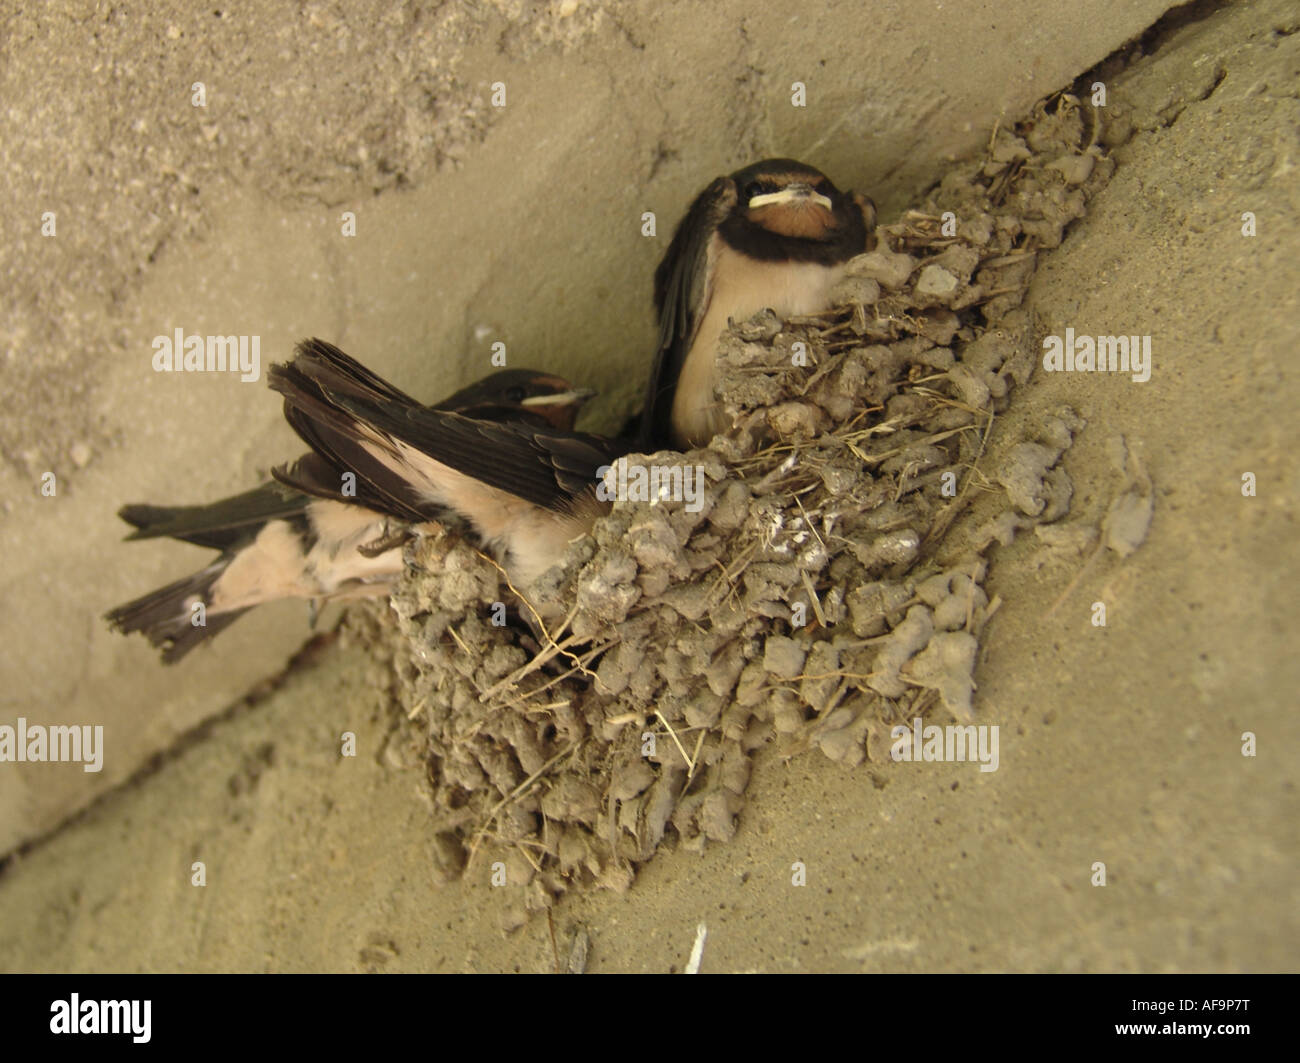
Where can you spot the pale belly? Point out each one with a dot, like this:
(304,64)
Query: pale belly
(744,287)
(274,566)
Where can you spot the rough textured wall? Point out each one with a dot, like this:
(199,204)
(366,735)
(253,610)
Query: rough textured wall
(474,224)
(1120,744)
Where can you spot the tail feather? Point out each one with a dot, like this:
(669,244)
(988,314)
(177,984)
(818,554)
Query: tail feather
(335,435)
(165,616)
(350,376)
(353,430)
(221,525)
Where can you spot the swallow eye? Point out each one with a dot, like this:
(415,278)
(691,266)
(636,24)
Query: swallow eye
(515,395)
(753,189)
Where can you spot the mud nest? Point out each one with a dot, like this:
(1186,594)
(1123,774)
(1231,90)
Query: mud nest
(820,593)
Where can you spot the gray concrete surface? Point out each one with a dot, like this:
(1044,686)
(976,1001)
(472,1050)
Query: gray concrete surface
(474,224)
(1120,745)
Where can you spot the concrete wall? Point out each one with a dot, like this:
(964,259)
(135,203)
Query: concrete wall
(474,224)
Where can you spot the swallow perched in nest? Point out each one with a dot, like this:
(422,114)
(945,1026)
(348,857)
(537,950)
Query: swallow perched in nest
(526,490)
(334,543)
(775,235)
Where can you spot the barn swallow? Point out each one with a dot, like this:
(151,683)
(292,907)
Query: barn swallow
(527,491)
(277,542)
(775,235)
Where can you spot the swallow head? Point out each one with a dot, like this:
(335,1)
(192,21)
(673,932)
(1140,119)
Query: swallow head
(526,394)
(555,400)
(786,209)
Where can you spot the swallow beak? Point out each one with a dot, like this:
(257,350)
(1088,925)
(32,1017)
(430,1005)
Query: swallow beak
(792,194)
(573,397)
